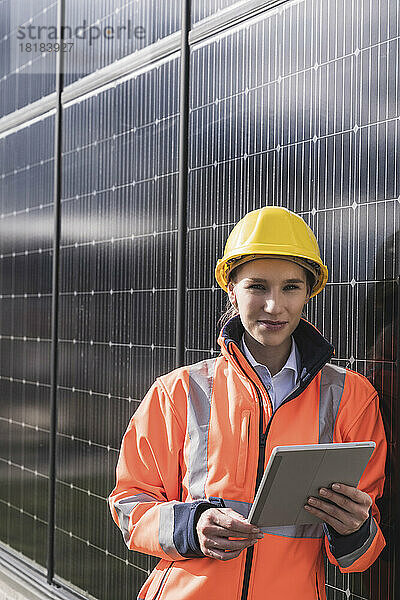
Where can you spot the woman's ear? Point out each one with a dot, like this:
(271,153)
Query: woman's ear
(231,294)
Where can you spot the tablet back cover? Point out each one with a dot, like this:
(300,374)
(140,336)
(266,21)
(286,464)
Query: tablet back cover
(295,475)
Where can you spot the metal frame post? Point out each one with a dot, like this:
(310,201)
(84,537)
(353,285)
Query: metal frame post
(183,185)
(55,295)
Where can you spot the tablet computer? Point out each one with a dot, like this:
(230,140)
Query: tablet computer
(294,473)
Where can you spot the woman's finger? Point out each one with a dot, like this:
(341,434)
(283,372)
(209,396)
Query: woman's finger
(220,554)
(342,521)
(358,496)
(220,543)
(225,532)
(213,522)
(330,510)
(216,529)
(337,524)
(334,511)
(344,502)
(233,522)
(216,532)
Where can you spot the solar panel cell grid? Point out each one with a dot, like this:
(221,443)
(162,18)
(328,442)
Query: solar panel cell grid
(25,285)
(297,107)
(117,289)
(322,127)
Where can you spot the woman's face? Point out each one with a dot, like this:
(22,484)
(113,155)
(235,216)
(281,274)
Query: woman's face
(267,291)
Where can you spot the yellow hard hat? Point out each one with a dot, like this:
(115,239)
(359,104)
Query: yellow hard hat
(272,231)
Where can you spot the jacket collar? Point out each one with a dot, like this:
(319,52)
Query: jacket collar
(292,363)
(315,350)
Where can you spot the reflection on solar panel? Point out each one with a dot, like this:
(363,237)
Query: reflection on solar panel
(115,29)
(24,76)
(202,9)
(299,107)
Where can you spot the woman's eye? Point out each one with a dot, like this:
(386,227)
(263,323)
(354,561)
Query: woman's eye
(292,286)
(259,286)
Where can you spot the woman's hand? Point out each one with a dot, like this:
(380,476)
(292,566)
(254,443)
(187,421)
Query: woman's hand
(216,525)
(349,511)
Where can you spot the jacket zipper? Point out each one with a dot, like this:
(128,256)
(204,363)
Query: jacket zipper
(261,459)
(260,472)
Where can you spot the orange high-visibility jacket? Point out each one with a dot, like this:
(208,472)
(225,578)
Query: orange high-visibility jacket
(197,440)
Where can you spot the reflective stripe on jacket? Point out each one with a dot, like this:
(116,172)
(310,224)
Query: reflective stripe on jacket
(195,438)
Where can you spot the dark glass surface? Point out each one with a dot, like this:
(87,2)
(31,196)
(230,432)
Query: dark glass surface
(26,225)
(311,123)
(298,108)
(97,34)
(117,309)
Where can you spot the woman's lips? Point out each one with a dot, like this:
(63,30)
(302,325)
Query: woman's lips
(273,325)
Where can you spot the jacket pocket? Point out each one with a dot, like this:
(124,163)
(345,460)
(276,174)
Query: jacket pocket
(243,449)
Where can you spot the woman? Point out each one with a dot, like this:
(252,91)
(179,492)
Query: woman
(196,448)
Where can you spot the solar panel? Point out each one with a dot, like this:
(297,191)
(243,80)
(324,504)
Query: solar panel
(26,228)
(312,125)
(117,302)
(297,107)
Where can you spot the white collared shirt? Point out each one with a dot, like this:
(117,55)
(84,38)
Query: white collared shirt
(280,385)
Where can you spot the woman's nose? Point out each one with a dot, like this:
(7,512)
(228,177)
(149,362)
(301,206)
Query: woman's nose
(272,304)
